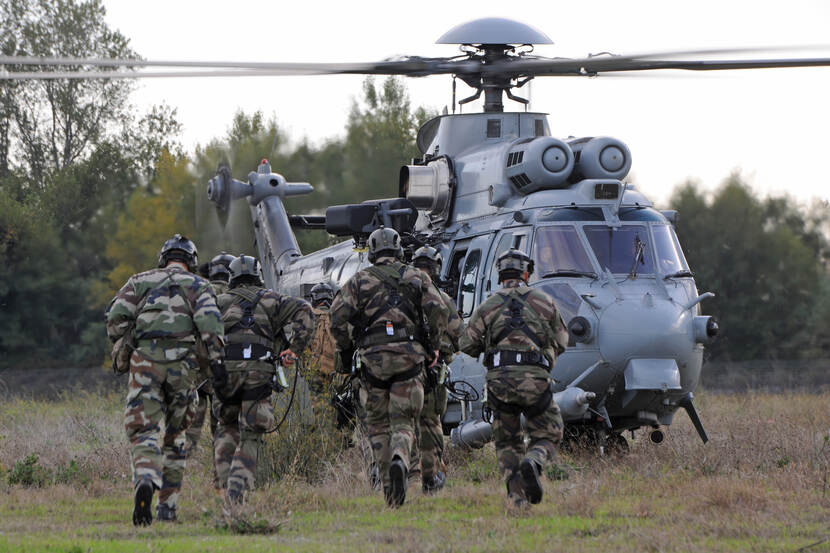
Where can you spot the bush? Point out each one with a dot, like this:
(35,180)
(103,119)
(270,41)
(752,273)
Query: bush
(29,473)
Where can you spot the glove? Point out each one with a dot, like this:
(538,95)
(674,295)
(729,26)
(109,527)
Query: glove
(220,376)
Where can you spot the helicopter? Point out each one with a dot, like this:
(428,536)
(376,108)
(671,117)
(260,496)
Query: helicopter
(495,180)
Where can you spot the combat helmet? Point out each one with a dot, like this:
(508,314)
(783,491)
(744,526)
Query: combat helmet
(384,240)
(320,293)
(428,258)
(179,248)
(219,267)
(245,269)
(513,264)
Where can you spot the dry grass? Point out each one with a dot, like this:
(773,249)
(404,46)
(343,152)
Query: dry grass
(760,484)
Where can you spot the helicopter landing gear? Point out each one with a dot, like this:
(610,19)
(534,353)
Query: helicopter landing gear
(593,440)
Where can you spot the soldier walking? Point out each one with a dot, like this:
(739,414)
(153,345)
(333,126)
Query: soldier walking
(520,331)
(321,348)
(253,319)
(156,318)
(430,442)
(219,277)
(386,304)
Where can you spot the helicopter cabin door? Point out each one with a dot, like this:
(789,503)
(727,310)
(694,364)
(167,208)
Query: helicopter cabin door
(515,237)
(465,270)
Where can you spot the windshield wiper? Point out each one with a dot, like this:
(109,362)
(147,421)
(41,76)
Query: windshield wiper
(639,250)
(683,273)
(570,273)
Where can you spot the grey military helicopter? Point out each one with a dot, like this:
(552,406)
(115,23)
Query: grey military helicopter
(495,180)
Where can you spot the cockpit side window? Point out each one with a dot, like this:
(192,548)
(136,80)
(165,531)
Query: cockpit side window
(622,249)
(670,258)
(558,249)
(467,290)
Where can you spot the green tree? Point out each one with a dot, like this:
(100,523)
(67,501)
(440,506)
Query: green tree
(59,121)
(380,138)
(762,258)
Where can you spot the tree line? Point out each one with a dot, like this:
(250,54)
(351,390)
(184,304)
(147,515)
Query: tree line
(90,188)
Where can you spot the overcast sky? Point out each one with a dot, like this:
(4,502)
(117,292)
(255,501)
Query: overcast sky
(773,125)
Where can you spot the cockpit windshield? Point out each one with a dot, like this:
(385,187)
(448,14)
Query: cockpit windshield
(669,255)
(622,249)
(559,251)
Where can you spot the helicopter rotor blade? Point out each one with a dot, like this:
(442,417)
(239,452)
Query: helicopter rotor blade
(411,66)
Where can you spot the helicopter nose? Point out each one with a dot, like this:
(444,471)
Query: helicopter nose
(646,327)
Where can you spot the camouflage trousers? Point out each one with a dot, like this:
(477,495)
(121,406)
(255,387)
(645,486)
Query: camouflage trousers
(160,395)
(195,431)
(392,417)
(428,451)
(543,429)
(242,424)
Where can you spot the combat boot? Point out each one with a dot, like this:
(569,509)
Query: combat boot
(516,491)
(142,512)
(235,497)
(530,478)
(396,493)
(165,513)
(434,484)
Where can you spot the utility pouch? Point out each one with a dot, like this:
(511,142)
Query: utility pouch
(122,350)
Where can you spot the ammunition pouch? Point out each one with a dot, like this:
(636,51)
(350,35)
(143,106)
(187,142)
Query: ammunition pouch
(504,358)
(513,409)
(122,350)
(376,382)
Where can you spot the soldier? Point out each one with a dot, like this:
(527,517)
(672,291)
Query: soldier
(431,439)
(386,305)
(254,318)
(165,311)
(321,348)
(520,331)
(217,271)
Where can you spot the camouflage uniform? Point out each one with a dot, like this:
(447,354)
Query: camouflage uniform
(169,308)
(429,447)
(519,323)
(392,363)
(243,407)
(205,392)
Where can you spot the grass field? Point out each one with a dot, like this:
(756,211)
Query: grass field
(761,484)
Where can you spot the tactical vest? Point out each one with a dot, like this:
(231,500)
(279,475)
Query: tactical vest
(519,315)
(246,338)
(400,296)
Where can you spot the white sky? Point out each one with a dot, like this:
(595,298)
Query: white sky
(772,124)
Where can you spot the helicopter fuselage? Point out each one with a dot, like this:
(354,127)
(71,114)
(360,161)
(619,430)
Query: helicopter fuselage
(492,181)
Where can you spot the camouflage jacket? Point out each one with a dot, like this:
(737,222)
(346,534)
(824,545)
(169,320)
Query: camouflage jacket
(322,348)
(538,311)
(166,310)
(219,287)
(272,312)
(365,296)
(455,326)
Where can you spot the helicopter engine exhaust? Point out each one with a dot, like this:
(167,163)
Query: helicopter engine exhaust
(473,434)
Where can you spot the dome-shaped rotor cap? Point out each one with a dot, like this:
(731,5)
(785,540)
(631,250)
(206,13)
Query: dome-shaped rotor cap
(494,30)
